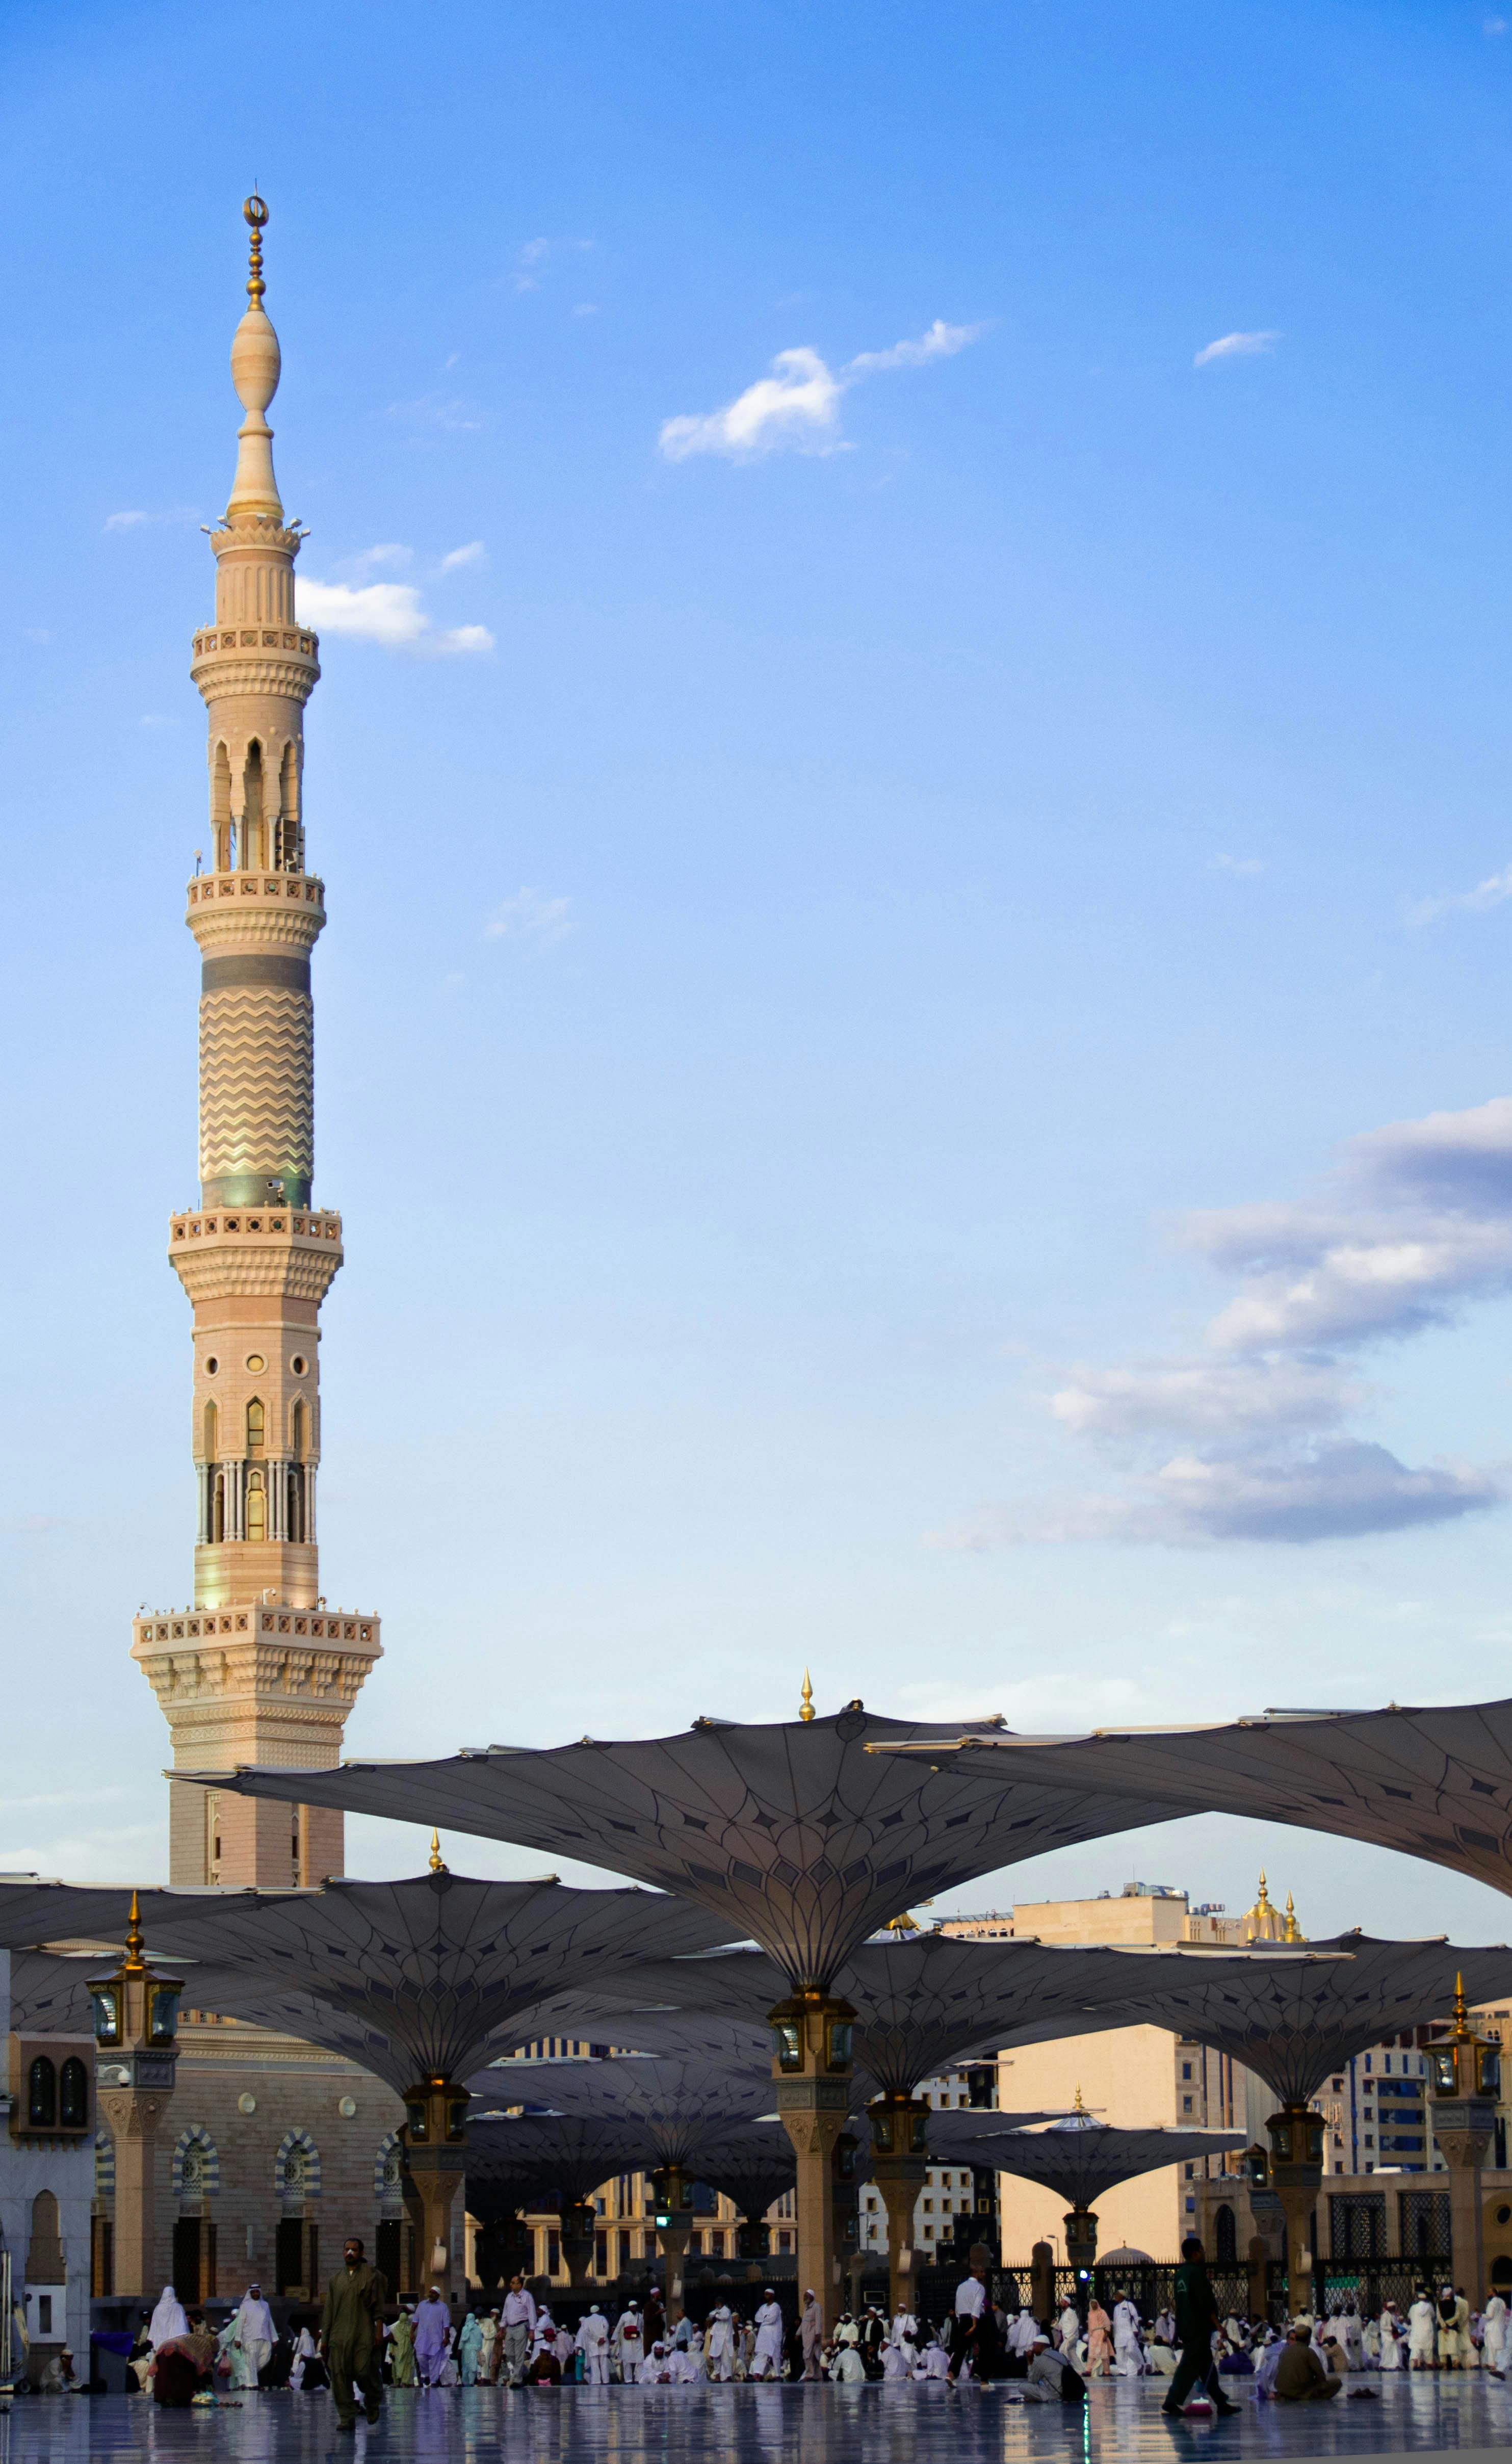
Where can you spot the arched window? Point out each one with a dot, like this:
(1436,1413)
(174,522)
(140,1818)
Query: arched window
(252,808)
(41,2095)
(72,2103)
(296,1430)
(256,1507)
(211,1440)
(289,811)
(1225,2236)
(296,1515)
(218,1508)
(221,810)
(256,1422)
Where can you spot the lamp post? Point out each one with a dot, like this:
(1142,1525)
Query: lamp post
(1465,2077)
(435,2138)
(1296,2172)
(900,2168)
(136,2013)
(811,2064)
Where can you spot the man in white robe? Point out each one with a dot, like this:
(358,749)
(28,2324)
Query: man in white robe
(811,2332)
(1070,2329)
(936,2361)
(1422,2332)
(627,2343)
(658,2368)
(252,2343)
(719,2348)
(1128,2353)
(1494,2350)
(1392,2333)
(904,2322)
(593,2342)
(896,2362)
(1352,2330)
(848,2367)
(768,2361)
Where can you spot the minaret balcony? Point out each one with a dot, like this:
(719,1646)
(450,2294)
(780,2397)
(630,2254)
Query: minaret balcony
(279,1251)
(304,889)
(160,1629)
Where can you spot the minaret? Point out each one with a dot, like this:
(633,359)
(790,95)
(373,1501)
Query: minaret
(259,1669)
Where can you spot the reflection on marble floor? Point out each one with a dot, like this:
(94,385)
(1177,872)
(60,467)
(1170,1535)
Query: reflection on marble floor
(772,2425)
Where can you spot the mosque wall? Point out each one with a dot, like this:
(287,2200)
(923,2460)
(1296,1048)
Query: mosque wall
(45,2187)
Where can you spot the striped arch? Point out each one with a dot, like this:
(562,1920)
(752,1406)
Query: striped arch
(104,2165)
(387,2169)
(202,2167)
(300,2178)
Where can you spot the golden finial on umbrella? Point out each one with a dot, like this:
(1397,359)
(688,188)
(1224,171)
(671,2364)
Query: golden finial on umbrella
(1294,1931)
(135,1939)
(438,1863)
(806,1707)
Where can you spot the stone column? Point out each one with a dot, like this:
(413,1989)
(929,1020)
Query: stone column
(136,2064)
(1041,2281)
(900,2168)
(1464,2131)
(1296,2172)
(811,2065)
(434,2141)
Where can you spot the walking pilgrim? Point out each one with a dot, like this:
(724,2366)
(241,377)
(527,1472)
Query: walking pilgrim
(768,2360)
(519,2329)
(1493,2350)
(627,2343)
(719,2345)
(252,2343)
(433,2336)
(593,2342)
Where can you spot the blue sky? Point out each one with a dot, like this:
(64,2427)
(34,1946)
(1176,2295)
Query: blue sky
(911,1035)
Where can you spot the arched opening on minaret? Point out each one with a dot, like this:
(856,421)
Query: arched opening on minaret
(221,810)
(218,1508)
(256,1426)
(209,1444)
(295,1501)
(291,854)
(255,855)
(257,1506)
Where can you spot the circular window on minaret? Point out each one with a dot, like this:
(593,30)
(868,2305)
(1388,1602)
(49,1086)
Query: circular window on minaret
(256,1363)
(211,1365)
(297,1364)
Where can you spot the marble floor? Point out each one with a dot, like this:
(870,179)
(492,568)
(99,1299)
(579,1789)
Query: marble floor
(1470,2417)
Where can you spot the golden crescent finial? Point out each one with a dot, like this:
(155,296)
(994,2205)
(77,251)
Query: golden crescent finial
(256,214)
(806,1708)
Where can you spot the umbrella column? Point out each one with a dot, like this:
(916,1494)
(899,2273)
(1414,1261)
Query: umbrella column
(1296,2172)
(580,2227)
(1466,2074)
(136,2031)
(811,2063)
(900,2168)
(1080,2240)
(674,2226)
(435,2138)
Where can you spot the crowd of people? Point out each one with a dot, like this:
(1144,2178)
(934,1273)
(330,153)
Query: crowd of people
(358,2341)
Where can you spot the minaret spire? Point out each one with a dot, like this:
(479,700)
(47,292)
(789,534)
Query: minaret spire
(258,1671)
(256,366)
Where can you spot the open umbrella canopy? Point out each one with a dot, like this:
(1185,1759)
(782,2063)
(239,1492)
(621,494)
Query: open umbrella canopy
(683,2103)
(1080,2159)
(792,1834)
(1433,1782)
(548,2156)
(925,2001)
(49,1993)
(1292,2020)
(435,1966)
(753,2165)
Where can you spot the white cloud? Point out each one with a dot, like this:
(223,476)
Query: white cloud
(534,915)
(1335,1490)
(390,613)
(941,342)
(796,404)
(533,259)
(1490,893)
(450,412)
(1245,866)
(457,557)
(1217,1398)
(127,522)
(1236,347)
(375,560)
(1415,1225)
